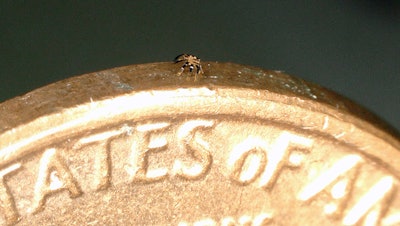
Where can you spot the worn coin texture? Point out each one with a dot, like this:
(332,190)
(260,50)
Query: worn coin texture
(138,145)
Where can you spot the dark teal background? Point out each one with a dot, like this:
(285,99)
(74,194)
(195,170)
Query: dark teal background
(351,47)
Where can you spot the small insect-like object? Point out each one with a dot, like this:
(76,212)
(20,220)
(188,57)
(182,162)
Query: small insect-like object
(191,61)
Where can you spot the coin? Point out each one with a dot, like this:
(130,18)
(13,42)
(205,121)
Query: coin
(138,145)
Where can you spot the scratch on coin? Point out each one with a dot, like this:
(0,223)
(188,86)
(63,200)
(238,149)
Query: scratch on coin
(92,103)
(339,135)
(93,222)
(326,123)
(123,86)
(351,128)
(240,202)
(367,147)
(9,169)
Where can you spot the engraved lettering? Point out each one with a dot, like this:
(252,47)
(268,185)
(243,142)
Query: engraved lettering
(392,219)
(102,158)
(102,166)
(280,156)
(195,147)
(373,205)
(248,160)
(245,220)
(338,181)
(7,203)
(53,176)
(346,192)
(228,221)
(263,163)
(262,219)
(141,148)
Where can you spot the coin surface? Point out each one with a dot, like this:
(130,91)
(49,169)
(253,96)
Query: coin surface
(138,145)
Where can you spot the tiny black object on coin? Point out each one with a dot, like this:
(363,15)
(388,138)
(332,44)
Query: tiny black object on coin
(189,60)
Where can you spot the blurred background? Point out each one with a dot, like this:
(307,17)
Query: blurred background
(351,47)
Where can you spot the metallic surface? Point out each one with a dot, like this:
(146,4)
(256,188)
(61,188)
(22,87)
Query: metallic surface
(138,145)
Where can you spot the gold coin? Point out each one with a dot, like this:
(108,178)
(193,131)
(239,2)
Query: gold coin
(138,145)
